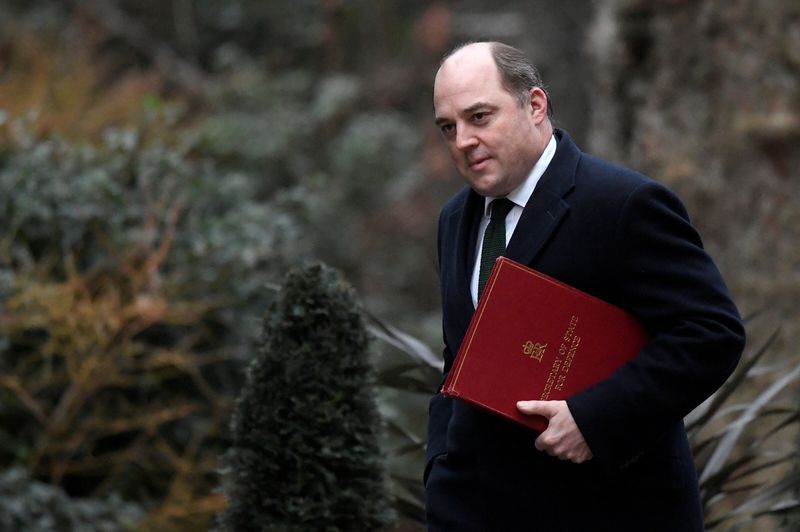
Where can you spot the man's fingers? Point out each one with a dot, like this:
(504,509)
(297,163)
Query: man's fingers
(538,408)
(562,438)
(549,442)
(543,444)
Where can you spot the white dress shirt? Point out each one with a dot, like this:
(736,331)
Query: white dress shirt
(519,196)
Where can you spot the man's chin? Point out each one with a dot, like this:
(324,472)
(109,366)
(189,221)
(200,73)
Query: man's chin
(487,187)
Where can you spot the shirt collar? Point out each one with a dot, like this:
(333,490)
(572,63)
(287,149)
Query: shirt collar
(522,193)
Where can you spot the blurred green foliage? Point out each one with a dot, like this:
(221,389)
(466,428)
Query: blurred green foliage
(26,504)
(310,142)
(134,263)
(132,276)
(745,462)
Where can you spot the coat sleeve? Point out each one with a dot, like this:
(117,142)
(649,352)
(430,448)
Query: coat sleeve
(440,406)
(666,279)
(439,410)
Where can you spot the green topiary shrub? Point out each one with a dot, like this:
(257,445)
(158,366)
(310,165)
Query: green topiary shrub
(306,429)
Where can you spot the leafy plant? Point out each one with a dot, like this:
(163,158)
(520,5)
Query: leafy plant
(306,453)
(27,504)
(747,467)
(129,273)
(408,371)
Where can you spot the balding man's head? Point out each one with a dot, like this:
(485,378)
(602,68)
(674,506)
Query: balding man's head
(517,73)
(493,136)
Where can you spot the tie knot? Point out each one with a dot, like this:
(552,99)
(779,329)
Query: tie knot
(500,208)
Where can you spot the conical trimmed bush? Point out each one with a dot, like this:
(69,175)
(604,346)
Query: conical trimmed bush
(306,453)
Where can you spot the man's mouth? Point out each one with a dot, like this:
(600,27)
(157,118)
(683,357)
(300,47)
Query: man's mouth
(478,162)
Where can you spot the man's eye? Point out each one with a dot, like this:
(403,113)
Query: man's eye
(479,117)
(447,128)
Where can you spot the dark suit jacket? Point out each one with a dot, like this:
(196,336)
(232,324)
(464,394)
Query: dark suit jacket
(626,239)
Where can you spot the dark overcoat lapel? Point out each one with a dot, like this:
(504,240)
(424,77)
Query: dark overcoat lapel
(546,207)
(540,218)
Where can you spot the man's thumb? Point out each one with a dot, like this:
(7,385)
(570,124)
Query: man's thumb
(539,408)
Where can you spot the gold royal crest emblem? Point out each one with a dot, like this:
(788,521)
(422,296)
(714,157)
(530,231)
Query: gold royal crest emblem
(534,350)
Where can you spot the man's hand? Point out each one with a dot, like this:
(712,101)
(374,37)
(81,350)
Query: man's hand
(562,438)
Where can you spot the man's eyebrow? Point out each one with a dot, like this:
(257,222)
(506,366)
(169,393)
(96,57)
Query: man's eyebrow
(476,106)
(469,110)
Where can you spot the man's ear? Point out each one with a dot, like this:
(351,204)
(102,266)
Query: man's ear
(538,105)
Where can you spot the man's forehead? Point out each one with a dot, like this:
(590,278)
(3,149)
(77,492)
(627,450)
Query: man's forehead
(462,85)
(467,73)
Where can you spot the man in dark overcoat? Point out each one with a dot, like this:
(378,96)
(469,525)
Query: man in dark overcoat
(615,456)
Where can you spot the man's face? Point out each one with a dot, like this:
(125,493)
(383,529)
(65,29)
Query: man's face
(493,141)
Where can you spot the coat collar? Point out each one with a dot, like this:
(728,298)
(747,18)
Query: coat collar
(545,209)
(547,205)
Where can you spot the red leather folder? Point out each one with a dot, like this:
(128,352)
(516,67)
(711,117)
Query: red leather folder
(533,337)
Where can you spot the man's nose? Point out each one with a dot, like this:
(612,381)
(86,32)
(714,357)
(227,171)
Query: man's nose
(465,139)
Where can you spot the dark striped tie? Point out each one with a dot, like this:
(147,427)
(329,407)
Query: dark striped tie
(494,240)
